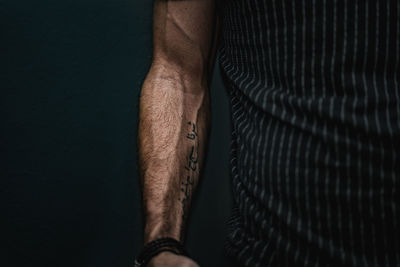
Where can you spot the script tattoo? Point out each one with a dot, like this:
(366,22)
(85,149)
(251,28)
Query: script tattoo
(191,166)
(193,134)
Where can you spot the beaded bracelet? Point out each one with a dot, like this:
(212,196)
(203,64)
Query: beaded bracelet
(157,246)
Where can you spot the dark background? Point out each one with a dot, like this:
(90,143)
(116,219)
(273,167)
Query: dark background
(70,77)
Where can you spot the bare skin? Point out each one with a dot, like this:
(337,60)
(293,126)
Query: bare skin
(174,116)
(167,259)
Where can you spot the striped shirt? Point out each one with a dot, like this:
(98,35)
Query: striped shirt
(315,109)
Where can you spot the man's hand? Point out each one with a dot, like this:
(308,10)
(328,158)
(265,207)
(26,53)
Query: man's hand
(168,259)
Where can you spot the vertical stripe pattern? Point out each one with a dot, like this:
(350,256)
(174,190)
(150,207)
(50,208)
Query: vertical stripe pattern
(315,109)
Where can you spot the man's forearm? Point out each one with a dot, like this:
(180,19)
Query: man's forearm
(173,129)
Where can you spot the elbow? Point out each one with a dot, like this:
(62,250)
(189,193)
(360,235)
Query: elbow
(190,67)
(188,77)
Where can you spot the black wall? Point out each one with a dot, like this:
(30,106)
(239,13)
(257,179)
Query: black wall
(70,76)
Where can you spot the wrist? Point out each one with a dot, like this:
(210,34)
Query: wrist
(152,232)
(167,227)
(157,246)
